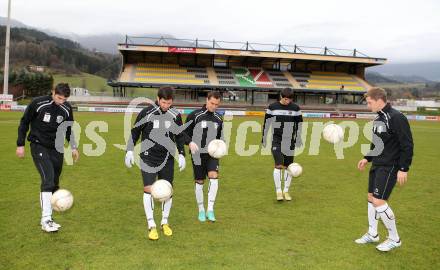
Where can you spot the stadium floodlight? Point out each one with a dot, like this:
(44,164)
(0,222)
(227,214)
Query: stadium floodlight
(8,35)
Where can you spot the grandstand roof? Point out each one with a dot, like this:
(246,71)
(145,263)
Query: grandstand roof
(283,53)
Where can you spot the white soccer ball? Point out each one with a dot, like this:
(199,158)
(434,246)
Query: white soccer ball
(333,133)
(161,190)
(62,200)
(217,148)
(294,169)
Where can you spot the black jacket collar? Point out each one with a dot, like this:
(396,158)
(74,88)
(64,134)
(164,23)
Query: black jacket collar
(160,109)
(385,109)
(205,109)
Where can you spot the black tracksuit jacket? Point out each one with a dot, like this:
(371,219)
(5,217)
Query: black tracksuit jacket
(44,117)
(391,128)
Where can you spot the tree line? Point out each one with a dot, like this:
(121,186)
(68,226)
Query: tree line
(29,84)
(32,47)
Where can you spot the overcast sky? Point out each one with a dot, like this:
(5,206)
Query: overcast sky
(402,31)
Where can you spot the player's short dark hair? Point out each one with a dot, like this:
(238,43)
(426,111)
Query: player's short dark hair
(214,94)
(62,89)
(287,93)
(376,93)
(165,92)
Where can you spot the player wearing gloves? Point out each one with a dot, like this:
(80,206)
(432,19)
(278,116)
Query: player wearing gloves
(205,125)
(161,128)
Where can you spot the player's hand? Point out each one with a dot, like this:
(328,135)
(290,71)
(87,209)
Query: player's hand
(129,159)
(75,155)
(402,177)
(362,163)
(193,147)
(182,162)
(20,151)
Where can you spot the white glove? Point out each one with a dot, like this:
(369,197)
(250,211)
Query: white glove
(182,162)
(129,159)
(193,147)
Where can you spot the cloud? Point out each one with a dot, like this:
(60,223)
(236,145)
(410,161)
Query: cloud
(399,30)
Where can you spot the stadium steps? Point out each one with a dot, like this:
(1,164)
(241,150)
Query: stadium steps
(291,79)
(212,76)
(364,83)
(127,74)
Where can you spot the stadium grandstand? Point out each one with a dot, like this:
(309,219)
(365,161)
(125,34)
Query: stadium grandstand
(245,73)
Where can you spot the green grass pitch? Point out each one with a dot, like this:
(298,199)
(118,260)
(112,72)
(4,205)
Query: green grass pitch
(106,228)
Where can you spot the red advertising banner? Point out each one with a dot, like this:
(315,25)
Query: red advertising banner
(5,107)
(431,118)
(342,115)
(181,50)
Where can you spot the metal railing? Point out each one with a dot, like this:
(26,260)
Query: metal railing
(244,46)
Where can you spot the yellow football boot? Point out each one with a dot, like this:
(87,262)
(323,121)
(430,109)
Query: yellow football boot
(152,234)
(280,196)
(167,230)
(287,196)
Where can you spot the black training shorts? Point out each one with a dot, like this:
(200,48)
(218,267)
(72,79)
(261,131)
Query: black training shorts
(207,164)
(153,169)
(382,180)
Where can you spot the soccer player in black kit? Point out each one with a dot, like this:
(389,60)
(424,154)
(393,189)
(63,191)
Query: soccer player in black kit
(205,125)
(160,126)
(285,117)
(391,156)
(45,115)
